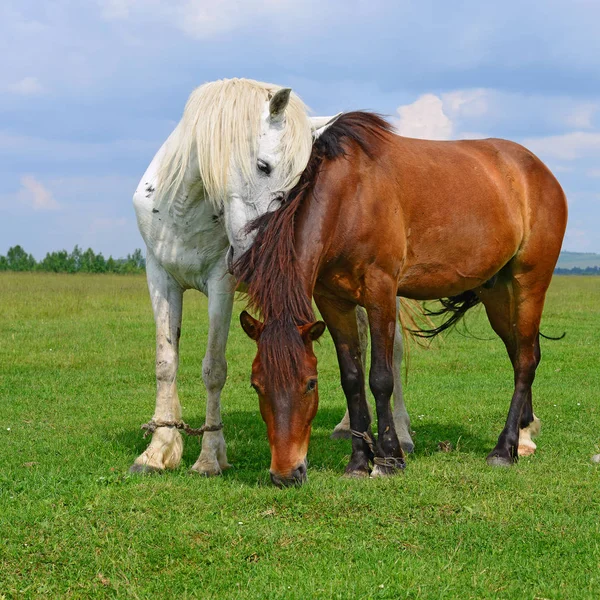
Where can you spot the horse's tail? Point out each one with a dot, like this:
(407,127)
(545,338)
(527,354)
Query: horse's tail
(554,339)
(454,308)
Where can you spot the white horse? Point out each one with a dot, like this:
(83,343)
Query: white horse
(240,145)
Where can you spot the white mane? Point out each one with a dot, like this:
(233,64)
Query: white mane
(220,123)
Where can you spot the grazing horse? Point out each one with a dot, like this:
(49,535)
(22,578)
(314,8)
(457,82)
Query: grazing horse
(238,147)
(376,216)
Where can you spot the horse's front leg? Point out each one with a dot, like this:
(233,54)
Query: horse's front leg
(381,310)
(401,418)
(166,446)
(342,324)
(213,457)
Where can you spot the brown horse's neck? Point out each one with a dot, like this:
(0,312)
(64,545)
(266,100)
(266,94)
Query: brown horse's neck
(281,267)
(280,290)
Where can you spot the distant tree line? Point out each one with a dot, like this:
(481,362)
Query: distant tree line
(87,261)
(77,261)
(578,271)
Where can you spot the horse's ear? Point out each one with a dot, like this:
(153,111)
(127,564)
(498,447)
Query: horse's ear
(251,326)
(318,125)
(312,331)
(278,103)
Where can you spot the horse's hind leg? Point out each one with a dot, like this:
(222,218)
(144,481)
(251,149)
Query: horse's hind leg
(213,457)
(514,307)
(401,418)
(529,425)
(166,446)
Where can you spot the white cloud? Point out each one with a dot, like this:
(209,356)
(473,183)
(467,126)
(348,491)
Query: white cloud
(439,117)
(582,116)
(115,9)
(593,173)
(466,103)
(569,146)
(424,118)
(28,86)
(199,18)
(35,195)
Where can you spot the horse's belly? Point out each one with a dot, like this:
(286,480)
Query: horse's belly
(429,280)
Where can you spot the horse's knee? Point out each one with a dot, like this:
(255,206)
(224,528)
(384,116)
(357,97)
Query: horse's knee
(214,373)
(352,382)
(166,370)
(381,382)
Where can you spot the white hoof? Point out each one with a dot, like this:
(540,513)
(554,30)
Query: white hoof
(527,446)
(527,449)
(164,452)
(535,426)
(213,457)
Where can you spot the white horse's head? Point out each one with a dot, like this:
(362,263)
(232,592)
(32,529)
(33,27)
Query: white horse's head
(248,142)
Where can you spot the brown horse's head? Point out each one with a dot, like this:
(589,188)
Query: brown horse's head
(284,375)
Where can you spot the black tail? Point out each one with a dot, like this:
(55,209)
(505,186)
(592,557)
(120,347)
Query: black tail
(555,339)
(455,307)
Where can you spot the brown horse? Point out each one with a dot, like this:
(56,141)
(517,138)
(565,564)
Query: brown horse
(375,216)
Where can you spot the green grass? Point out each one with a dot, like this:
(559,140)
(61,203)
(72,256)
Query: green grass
(76,361)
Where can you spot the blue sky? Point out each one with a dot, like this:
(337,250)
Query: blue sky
(89,89)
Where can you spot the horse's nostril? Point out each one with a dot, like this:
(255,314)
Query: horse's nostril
(297,477)
(299,474)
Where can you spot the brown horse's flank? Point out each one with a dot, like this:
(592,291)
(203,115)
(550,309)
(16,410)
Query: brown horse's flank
(375,216)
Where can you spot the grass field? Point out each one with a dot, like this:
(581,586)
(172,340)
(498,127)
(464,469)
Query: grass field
(76,363)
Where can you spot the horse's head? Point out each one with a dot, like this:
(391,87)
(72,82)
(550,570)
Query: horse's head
(280,152)
(284,375)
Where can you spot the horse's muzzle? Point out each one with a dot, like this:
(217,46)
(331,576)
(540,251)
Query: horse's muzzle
(297,477)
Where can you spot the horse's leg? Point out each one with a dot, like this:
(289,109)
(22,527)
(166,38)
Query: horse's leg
(166,447)
(213,457)
(514,308)
(498,302)
(342,429)
(340,318)
(529,425)
(381,309)
(401,418)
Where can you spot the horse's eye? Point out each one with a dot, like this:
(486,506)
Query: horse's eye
(254,387)
(264,167)
(311,385)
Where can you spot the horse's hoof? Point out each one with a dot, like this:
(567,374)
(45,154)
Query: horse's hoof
(357,471)
(494,460)
(407,447)
(381,471)
(357,474)
(341,434)
(144,469)
(526,449)
(596,458)
(206,469)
